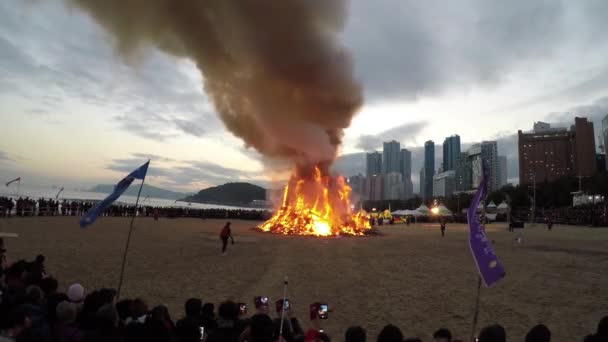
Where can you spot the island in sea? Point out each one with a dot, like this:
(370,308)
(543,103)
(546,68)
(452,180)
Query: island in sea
(235,194)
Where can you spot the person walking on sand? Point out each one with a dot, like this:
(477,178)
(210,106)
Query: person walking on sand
(224,235)
(442,226)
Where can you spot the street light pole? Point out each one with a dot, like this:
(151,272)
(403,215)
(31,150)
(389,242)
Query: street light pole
(534,199)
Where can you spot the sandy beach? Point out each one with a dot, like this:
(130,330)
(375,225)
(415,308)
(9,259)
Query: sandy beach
(410,276)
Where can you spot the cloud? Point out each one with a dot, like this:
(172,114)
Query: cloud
(158,98)
(152,157)
(184,174)
(4,157)
(191,127)
(408,49)
(402,133)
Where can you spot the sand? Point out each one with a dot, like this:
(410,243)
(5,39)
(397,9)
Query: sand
(410,277)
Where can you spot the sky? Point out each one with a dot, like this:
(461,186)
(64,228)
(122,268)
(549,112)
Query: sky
(75,113)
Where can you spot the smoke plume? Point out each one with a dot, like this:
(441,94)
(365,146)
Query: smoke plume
(274,69)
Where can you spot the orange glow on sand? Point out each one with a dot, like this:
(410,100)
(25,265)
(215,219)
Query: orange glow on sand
(316,205)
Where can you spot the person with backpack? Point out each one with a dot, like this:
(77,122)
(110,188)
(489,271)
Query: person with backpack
(224,235)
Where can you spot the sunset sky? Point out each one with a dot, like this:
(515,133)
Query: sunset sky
(73,112)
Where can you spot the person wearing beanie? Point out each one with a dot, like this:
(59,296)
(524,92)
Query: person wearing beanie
(76,293)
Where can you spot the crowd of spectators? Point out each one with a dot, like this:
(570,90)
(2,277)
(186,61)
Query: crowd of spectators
(33,309)
(48,207)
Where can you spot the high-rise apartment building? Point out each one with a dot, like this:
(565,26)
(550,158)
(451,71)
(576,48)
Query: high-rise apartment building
(429,169)
(502,171)
(405,163)
(390,157)
(478,154)
(444,184)
(373,163)
(451,152)
(374,186)
(463,173)
(393,186)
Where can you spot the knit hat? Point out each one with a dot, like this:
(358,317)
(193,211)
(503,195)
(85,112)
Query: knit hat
(76,293)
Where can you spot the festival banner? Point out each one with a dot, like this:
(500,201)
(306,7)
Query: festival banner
(18,179)
(121,187)
(490,269)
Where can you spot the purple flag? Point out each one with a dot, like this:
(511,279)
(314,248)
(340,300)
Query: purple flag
(490,269)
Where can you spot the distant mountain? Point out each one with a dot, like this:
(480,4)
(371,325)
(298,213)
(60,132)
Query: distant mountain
(236,194)
(147,190)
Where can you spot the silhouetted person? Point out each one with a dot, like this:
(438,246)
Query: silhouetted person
(493,333)
(224,236)
(390,333)
(539,333)
(355,334)
(442,227)
(442,335)
(601,334)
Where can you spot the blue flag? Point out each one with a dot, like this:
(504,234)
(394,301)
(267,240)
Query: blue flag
(91,215)
(490,269)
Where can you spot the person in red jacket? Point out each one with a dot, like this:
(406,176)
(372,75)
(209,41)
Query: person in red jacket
(224,235)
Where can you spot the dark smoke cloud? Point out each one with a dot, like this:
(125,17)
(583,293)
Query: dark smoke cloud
(274,70)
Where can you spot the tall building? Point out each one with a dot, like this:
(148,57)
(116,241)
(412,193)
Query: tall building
(489,154)
(552,153)
(605,135)
(545,157)
(373,163)
(444,184)
(429,169)
(584,147)
(463,173)
(374,186)
(405,162)
(502,171)
(485,152)
(393,186)
(356,185)
(451,152)
(421,185)
(390,157)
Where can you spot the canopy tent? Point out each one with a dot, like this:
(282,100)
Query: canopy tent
(442,210)
(423,210)
(502,208)
(407,212)
(491,205)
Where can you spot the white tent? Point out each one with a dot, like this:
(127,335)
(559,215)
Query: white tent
(423,210)
(443,210)
(502,207)
(414,213)
(491,205)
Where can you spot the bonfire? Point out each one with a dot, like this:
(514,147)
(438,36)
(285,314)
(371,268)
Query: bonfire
(318,205)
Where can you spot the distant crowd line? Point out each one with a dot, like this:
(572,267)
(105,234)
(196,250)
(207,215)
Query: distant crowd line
(32,308)
(25,206)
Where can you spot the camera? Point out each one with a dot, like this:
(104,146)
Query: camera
(242,309)
(323,311)
(260,301)
(319,311)
(282,305)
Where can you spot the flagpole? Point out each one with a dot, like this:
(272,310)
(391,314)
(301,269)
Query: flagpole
(476,313)
(124,257)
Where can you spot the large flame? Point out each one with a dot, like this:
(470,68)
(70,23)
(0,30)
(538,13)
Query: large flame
(317,205)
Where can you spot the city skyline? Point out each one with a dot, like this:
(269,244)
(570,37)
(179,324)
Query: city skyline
(76,114)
